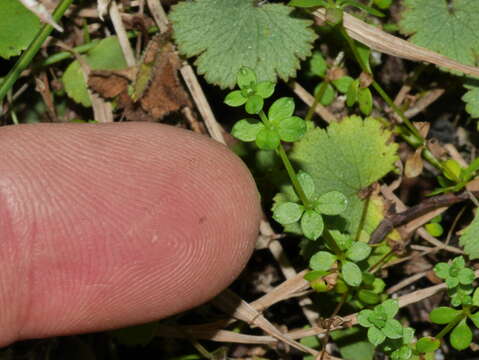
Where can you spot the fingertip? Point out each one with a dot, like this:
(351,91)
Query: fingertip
(116,224)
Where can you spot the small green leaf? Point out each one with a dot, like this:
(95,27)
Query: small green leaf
(390,307)
(351,273)
(468,239)
(427,344)
(281,109)
(235,98)
(466,276)
(443,315)
(475,319)
(322,261)
(435,229)
(365,100)
(107,55)
(247,129)
(368,297)
(265,89)
(291,129)
(452,170)
(408,335)
(475,297)
(442,270)
(358,252)
(332,203)
(452,282)
(307,183)
(334,16)
(288,213)
(267,139)
(343,83)
(403,353)
(344,241)
(364,53)
(18,27)
(328,93)
(366,8)
(312,224)
(254,104)
(318,65)
(246,77)
(314,275)
(383,4)
(352,94)
(393,329)
(363,318)
(461,336)
(375,336)
(308,3)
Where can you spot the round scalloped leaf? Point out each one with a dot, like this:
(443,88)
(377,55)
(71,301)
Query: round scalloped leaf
(348,157)
(229,34)
(107,55)
(18,27)
(446,26)
(468,239)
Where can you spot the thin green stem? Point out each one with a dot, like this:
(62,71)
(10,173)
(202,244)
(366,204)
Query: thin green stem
(451,325)
(316,101)
(28,55)
(406,130)
(292,175)
(287,164)
(263,118)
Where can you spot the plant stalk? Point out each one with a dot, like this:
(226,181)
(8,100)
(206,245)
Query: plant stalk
(26,58)
(292,175)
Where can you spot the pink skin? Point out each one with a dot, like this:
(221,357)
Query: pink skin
(110,225)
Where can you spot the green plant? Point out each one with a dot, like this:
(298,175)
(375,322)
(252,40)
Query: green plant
(327,185)
(384,330)
(458,279)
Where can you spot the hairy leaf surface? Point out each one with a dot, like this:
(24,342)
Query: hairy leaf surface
(469,239)
(18,27)
(451,29)
(229,34)
(348,157)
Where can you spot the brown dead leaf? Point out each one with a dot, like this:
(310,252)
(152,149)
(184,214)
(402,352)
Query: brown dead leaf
(423,127)
(414,164)
(473,185)
(156,88)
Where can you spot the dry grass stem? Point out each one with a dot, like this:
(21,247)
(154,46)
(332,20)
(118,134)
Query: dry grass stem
(159,14)
(385,43)
(214,129)
(122,35)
